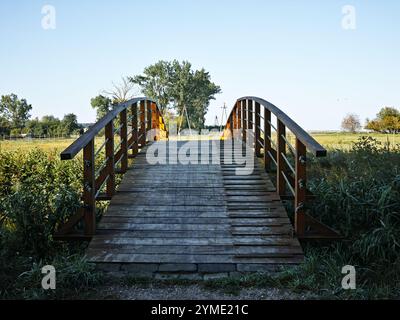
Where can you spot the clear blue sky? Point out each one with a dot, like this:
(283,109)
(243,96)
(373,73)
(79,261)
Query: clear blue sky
(293,53)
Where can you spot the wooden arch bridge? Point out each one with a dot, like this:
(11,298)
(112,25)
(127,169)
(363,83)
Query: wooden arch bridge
(199,216)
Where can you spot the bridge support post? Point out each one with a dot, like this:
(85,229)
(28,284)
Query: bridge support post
(267,139)
(134,124)
(280,153)
(300,188)
(124,141)
(257,129)
(89,189)
(109,135)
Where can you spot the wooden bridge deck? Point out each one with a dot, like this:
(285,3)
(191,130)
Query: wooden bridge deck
(194,218)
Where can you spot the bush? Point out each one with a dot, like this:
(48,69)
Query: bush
(357,193)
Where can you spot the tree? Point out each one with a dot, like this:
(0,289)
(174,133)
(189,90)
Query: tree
(14,111)
(177,84)
(102,105)
(387,121)
(121,92)
(156,83)
(351,123)
(70,123)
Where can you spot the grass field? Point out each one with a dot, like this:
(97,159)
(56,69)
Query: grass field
(43,144)
(341,141)
(345,140)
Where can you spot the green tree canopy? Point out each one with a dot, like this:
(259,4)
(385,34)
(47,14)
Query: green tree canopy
(70,123)
(176,83)
(14,111)
(387,121)
(102,105)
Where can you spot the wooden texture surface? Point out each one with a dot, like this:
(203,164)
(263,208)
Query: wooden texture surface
(195,214)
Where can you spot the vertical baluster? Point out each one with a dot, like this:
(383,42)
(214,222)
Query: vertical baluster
(239,108)
(250,120)
(148,120)
(300,188)
(154,121)
(281,149)
(231,125)
(244,120)
(142,131)
(124,141)
(257,129)
(109,134)
(267,139)
(134,124)
(89,189)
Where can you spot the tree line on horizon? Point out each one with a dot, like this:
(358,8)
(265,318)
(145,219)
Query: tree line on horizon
(15,119)
(387,121)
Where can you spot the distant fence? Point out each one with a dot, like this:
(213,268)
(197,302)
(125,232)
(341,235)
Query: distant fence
(36,137)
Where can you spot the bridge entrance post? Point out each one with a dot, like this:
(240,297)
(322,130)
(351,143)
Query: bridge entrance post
(300,188)
(89,189)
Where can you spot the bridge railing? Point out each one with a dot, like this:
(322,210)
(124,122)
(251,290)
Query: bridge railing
(126,129)
(252,115)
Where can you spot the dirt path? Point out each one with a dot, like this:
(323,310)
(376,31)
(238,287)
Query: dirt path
(195,292)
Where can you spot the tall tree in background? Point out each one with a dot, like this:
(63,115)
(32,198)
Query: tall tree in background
(14,111)
(176,83)
(102,105)
(70,123)
(387,121)
(156,83)
(351,123)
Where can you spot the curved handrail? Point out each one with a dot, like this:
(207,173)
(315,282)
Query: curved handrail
(244,122)
(89,135)
(300,133)
(145,117)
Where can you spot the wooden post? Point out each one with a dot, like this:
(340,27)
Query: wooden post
(267,139)
(234,112)
(281,149)
(257,137)
(142,131)
(244,117)
(109,134)
(124,141)
(250,119)
(134,124)
(89,189)
(148,118)
(300,188)
(231,124)
(154,120)
(239,109)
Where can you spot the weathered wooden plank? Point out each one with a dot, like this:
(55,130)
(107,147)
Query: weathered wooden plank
(182,258)
(201,250)
(104,239)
